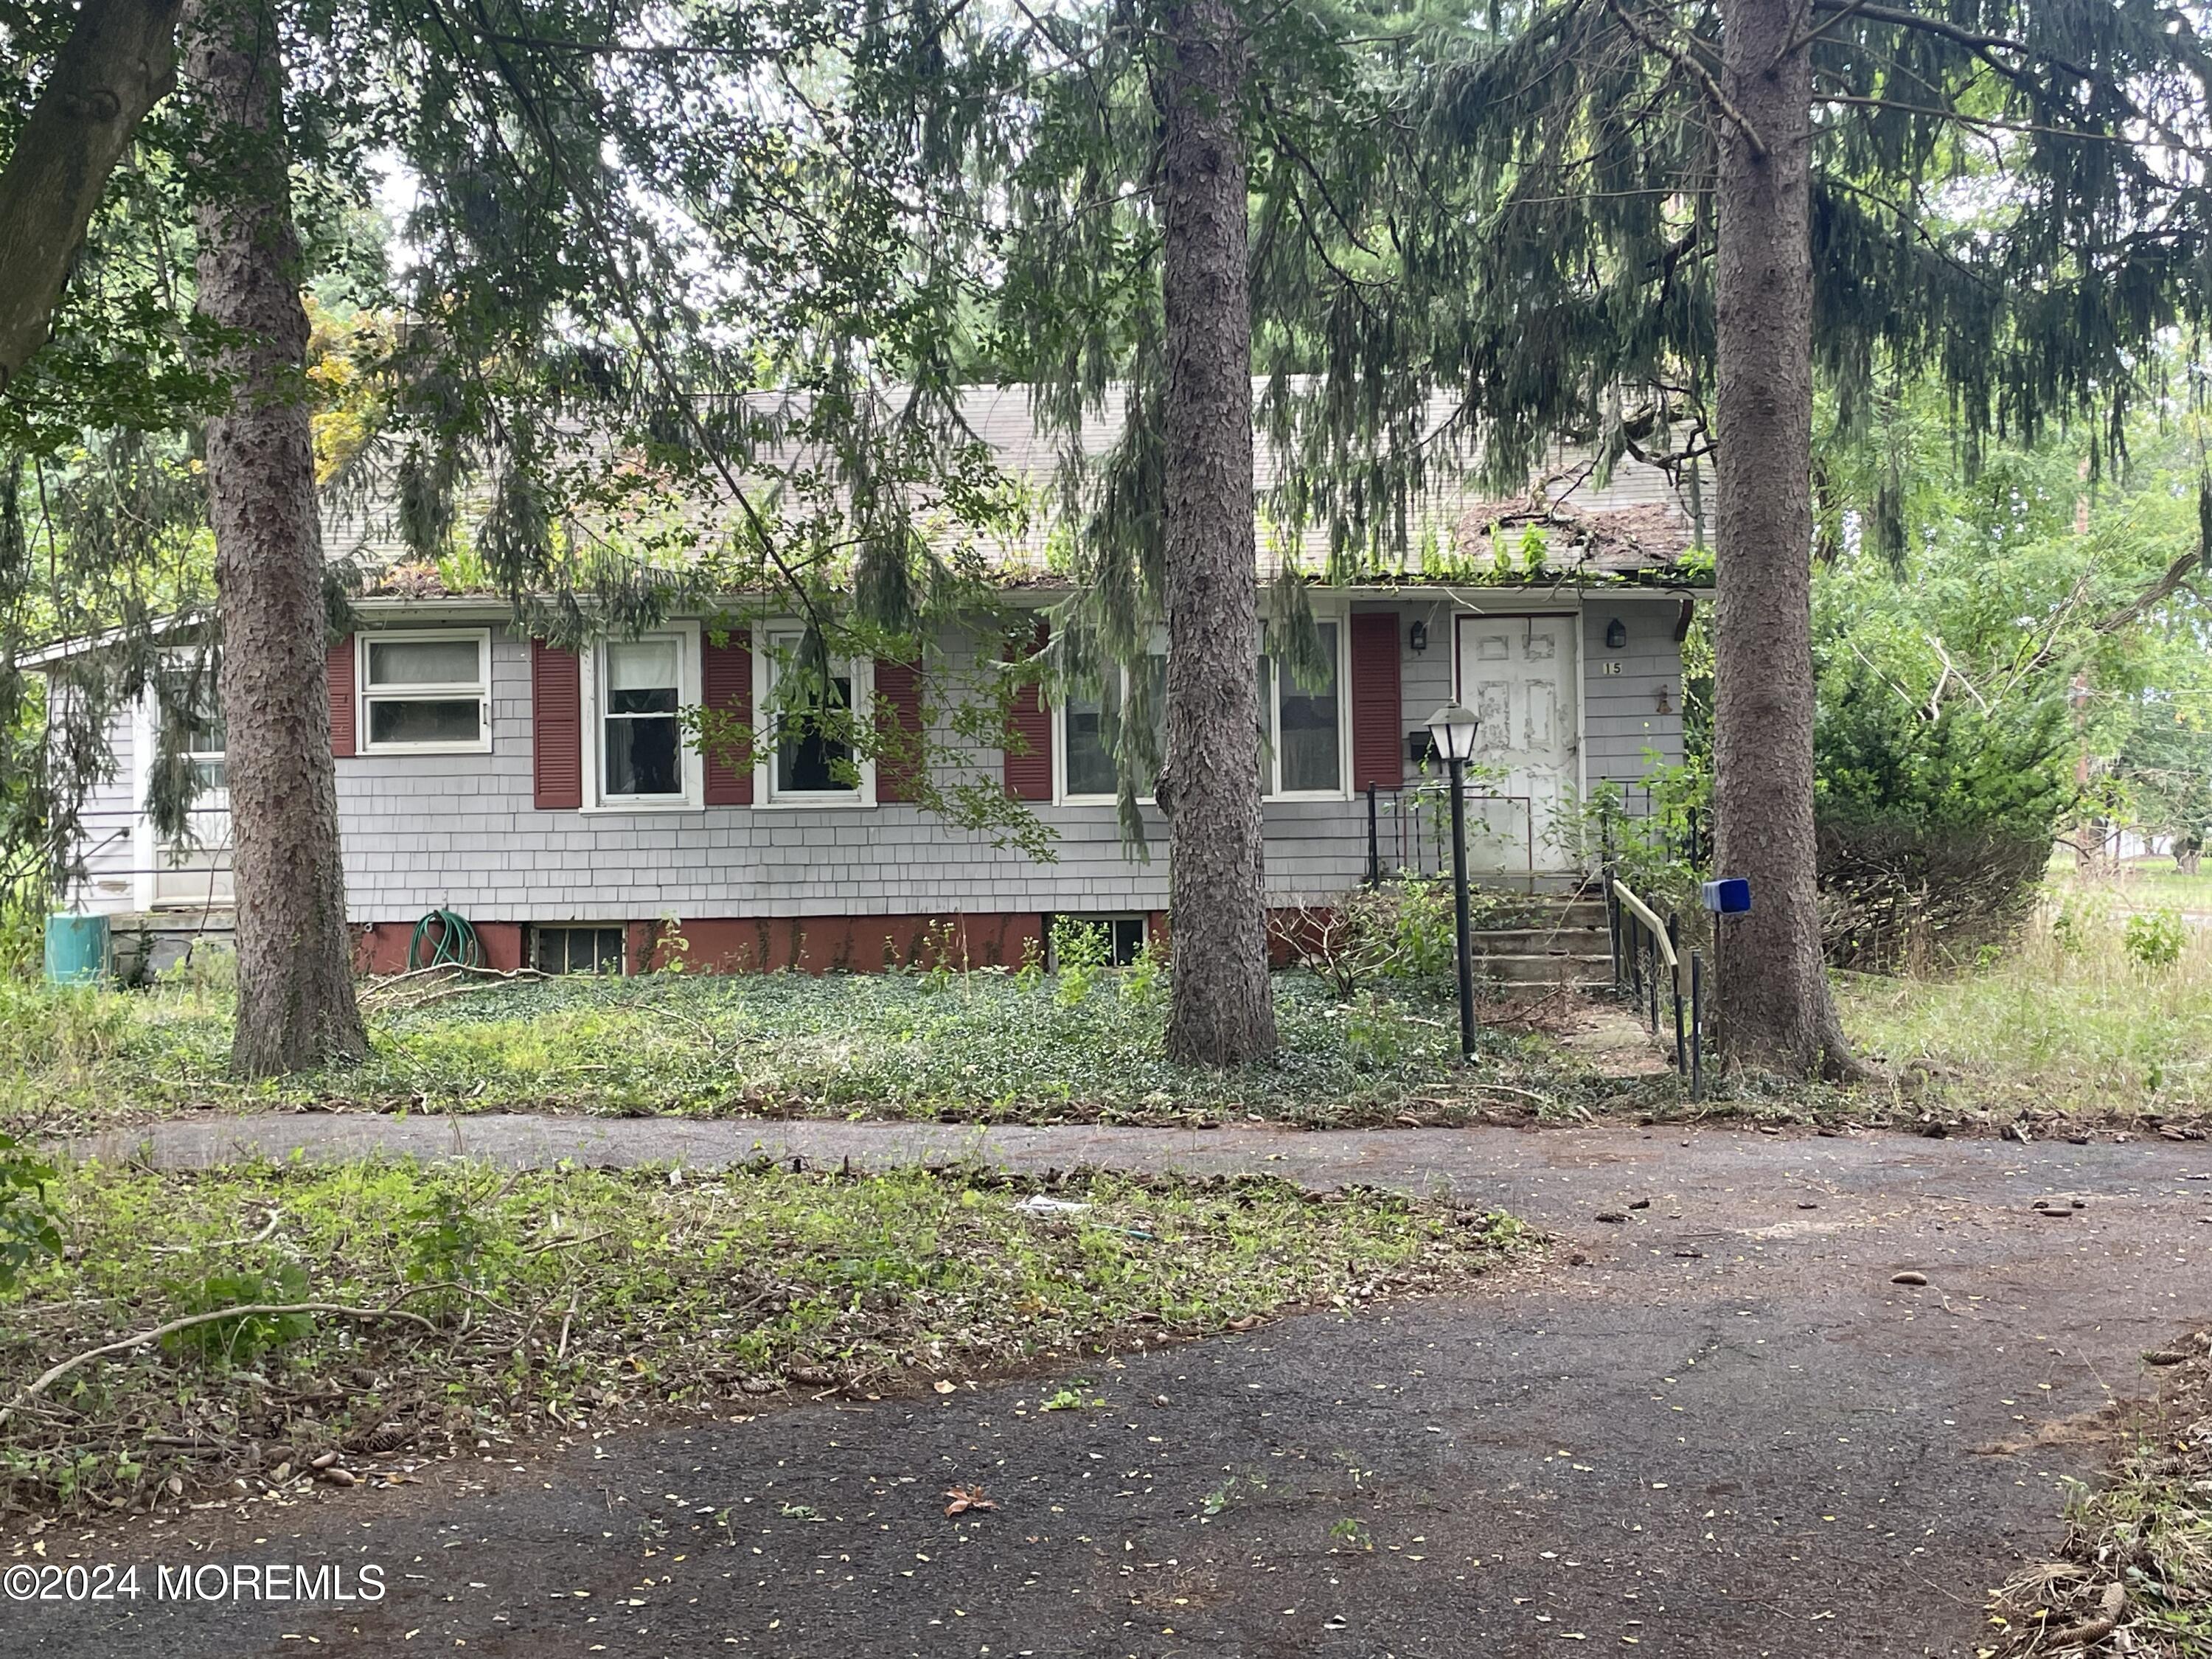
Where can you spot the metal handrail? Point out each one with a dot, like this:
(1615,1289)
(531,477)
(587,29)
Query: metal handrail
(1651,920)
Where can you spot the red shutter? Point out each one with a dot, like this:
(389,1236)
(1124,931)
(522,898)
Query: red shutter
(340,671)
(556,726)
(1378,755)
(1028,773)
(726,683)
(898,717)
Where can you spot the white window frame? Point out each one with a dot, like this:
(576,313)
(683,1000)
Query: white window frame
(1341,619)
(773,640)
(1061,793)
(593,664)
(364,693)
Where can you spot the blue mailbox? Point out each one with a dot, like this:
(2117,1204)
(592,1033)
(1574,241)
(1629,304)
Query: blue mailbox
(1729,896)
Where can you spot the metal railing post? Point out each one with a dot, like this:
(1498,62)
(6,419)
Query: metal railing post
(1374,845)
(1697,1026)
(1674,938)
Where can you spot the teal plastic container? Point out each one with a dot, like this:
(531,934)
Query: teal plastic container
(77,950)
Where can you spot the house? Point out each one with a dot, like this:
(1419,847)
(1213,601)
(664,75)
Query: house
(547,795)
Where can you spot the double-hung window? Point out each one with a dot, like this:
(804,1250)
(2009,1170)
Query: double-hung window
(812,760)
(1303,720)
(426,693)
(639,690)
(1302,726)
(199,740)
(1090,724)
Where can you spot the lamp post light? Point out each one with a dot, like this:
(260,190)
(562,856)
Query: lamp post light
(1452,729)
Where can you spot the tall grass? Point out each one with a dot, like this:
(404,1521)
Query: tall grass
(2067,1020)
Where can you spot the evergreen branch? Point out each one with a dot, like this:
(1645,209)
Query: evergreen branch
(1986,46)
(1985,121)
(1848,11)
(1696,72)
(1958,33)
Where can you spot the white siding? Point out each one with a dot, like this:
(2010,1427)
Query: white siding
(112,843)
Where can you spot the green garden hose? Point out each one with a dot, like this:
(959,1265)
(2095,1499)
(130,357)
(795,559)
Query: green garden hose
(453,945)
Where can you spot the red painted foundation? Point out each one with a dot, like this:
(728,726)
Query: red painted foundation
(853,945)
(380,947)
(807,945)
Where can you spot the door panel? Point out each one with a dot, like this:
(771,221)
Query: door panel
(1516,673)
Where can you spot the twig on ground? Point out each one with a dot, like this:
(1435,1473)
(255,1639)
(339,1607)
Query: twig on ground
(247,1311)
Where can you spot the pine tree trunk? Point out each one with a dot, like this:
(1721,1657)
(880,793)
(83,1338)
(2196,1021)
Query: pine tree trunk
(1776,1012)
(1223,1010)
(296,1001)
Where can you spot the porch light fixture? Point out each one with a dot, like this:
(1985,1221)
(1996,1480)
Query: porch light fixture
(1616,634)
(1452,729)
(1418,639)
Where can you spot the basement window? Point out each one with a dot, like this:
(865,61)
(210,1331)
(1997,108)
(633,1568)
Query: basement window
(1125,938)
(570,949)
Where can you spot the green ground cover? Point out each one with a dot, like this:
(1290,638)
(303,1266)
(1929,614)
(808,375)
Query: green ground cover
(982,1045)
(487,1306)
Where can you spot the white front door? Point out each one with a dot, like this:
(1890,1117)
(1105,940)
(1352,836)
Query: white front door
(1517,674)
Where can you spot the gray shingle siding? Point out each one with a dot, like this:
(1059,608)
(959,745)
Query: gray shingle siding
(426,831)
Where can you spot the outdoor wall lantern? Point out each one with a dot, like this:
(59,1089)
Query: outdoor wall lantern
(1452,729)
(1418,639)
(1616,634)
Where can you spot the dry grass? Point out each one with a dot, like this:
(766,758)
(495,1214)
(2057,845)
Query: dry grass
(2135,1574)
(2068,1021)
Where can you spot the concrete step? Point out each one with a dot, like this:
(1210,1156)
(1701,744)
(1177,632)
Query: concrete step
(1543,941)
(1562,912)
(1532,968)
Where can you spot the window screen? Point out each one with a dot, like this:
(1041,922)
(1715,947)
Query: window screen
(643,744)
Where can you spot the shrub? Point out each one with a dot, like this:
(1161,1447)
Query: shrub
(1402,932)
(28,1228)
(1899,895)
(2155,939)
(1934,831)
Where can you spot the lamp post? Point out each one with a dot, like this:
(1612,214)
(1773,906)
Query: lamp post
(1452,729)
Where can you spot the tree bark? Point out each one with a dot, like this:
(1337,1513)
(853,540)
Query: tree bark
(1776,1013)
(295,1000)
(119,61)
(1223,1010)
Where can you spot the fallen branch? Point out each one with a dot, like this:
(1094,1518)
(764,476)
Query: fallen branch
(2093,1630)
(247,1311)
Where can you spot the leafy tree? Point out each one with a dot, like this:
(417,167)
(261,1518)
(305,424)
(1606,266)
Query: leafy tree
(649,274)
(117,61)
